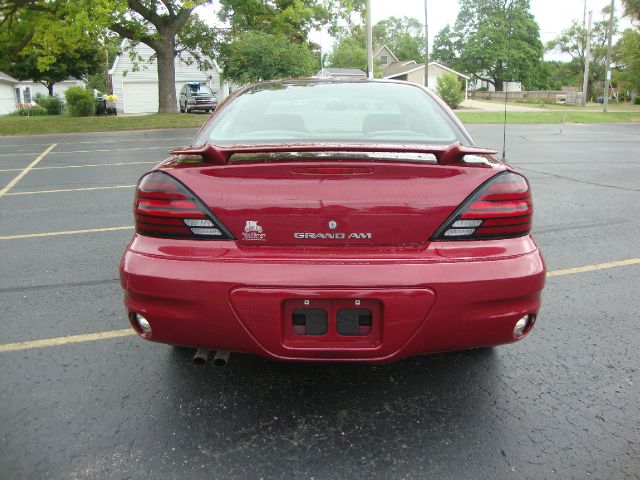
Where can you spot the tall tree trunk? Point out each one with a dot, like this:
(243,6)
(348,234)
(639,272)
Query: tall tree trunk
(167,102)
(50,88)
(499,85)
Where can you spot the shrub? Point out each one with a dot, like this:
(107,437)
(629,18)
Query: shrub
(25,110)
(53,105)
(449,90)
(636,101)
(80,102)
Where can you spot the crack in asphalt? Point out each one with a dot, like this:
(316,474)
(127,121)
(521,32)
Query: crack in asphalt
(586,182)
(59,285)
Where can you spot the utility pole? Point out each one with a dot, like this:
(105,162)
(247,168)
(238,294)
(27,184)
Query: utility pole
(369,42)
(587,59)
(607,78)
(426,46)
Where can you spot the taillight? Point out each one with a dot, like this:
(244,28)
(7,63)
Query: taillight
(163,207)
(500,208)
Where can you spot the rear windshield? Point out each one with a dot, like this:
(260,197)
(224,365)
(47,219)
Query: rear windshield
(312,112)
(200,89)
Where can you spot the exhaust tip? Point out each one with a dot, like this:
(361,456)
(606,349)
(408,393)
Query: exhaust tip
(201,356)
(221,358)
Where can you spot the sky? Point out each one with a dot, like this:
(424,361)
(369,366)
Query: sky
(552,15)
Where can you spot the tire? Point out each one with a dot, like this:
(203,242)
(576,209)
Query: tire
(181,109)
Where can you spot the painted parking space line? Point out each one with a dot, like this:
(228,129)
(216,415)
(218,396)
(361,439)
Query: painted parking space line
(53,342)
(101,141)
(62,190)
(65,232)
(128,332)
(86,165)
(593,268)
(26,170)
(107,150)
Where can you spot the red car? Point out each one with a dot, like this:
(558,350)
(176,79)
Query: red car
(333,221)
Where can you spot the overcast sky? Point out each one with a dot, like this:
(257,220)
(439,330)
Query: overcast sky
(552,16)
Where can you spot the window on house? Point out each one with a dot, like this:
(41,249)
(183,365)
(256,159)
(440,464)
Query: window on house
(27,94)
(383,59)
(18,96)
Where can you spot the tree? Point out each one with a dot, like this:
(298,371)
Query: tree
(255,56)
(632,9)
(349,52)
(444,48)
(496,41)
(74,63)
(449,90)
(572,42)
(167,26)
(404,37)
(627,57)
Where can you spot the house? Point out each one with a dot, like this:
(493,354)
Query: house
(341,73)
(136,87)
(489,87)
(7,93)
(411,71)
(26,90)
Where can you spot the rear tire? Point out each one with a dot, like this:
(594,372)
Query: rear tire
(181,108)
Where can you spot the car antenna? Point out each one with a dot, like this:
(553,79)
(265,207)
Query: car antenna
(506,92)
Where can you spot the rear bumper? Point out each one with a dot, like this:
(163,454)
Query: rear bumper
(446,297)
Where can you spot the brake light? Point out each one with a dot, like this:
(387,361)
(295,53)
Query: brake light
(500,208)
(163,207)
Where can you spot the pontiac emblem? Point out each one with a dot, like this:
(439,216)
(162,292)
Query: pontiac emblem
(333,225)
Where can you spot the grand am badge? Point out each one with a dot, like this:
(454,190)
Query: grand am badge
(253,231)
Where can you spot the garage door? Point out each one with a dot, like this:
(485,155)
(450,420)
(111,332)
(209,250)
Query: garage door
(141,97)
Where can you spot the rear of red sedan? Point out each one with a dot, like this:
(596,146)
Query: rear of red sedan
(327,220)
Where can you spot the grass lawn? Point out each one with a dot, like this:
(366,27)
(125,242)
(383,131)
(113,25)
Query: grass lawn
(549,117)
(10,125)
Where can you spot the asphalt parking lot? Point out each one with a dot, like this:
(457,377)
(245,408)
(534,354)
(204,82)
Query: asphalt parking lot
(564,403)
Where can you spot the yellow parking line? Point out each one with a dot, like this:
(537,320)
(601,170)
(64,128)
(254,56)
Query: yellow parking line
(26,170)
(66,232)
(34,192)
(79,166)
(591,268)
(92,337)
(53,342)
(102,150)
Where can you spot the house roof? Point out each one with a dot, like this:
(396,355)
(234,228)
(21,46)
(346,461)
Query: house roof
(341,72)
(408,68)
(382,47)
(398,68)
(7,78)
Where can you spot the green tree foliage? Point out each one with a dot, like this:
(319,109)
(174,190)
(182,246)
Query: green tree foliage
(573,42)
(627,57)
(255,56)
(495,41)
(79,62)
(450,90)
(80,102)
(444,48)
(349,52)
(632,9)
(404,37)
(167,26)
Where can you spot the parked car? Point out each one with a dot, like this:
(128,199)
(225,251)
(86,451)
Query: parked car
(328,220)
(197,96)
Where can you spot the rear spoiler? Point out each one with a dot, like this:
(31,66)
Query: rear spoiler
(445,154)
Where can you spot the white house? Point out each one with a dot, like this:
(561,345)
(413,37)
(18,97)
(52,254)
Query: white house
(333,72)
(137,91)
(7,93)
(28,89)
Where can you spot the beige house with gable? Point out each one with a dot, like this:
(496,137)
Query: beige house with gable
(411,71)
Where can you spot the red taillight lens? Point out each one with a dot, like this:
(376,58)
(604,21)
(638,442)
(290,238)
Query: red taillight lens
(163,207)
(501,208)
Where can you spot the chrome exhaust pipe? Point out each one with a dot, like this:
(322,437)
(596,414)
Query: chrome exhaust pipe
(201,356)
(221,358)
